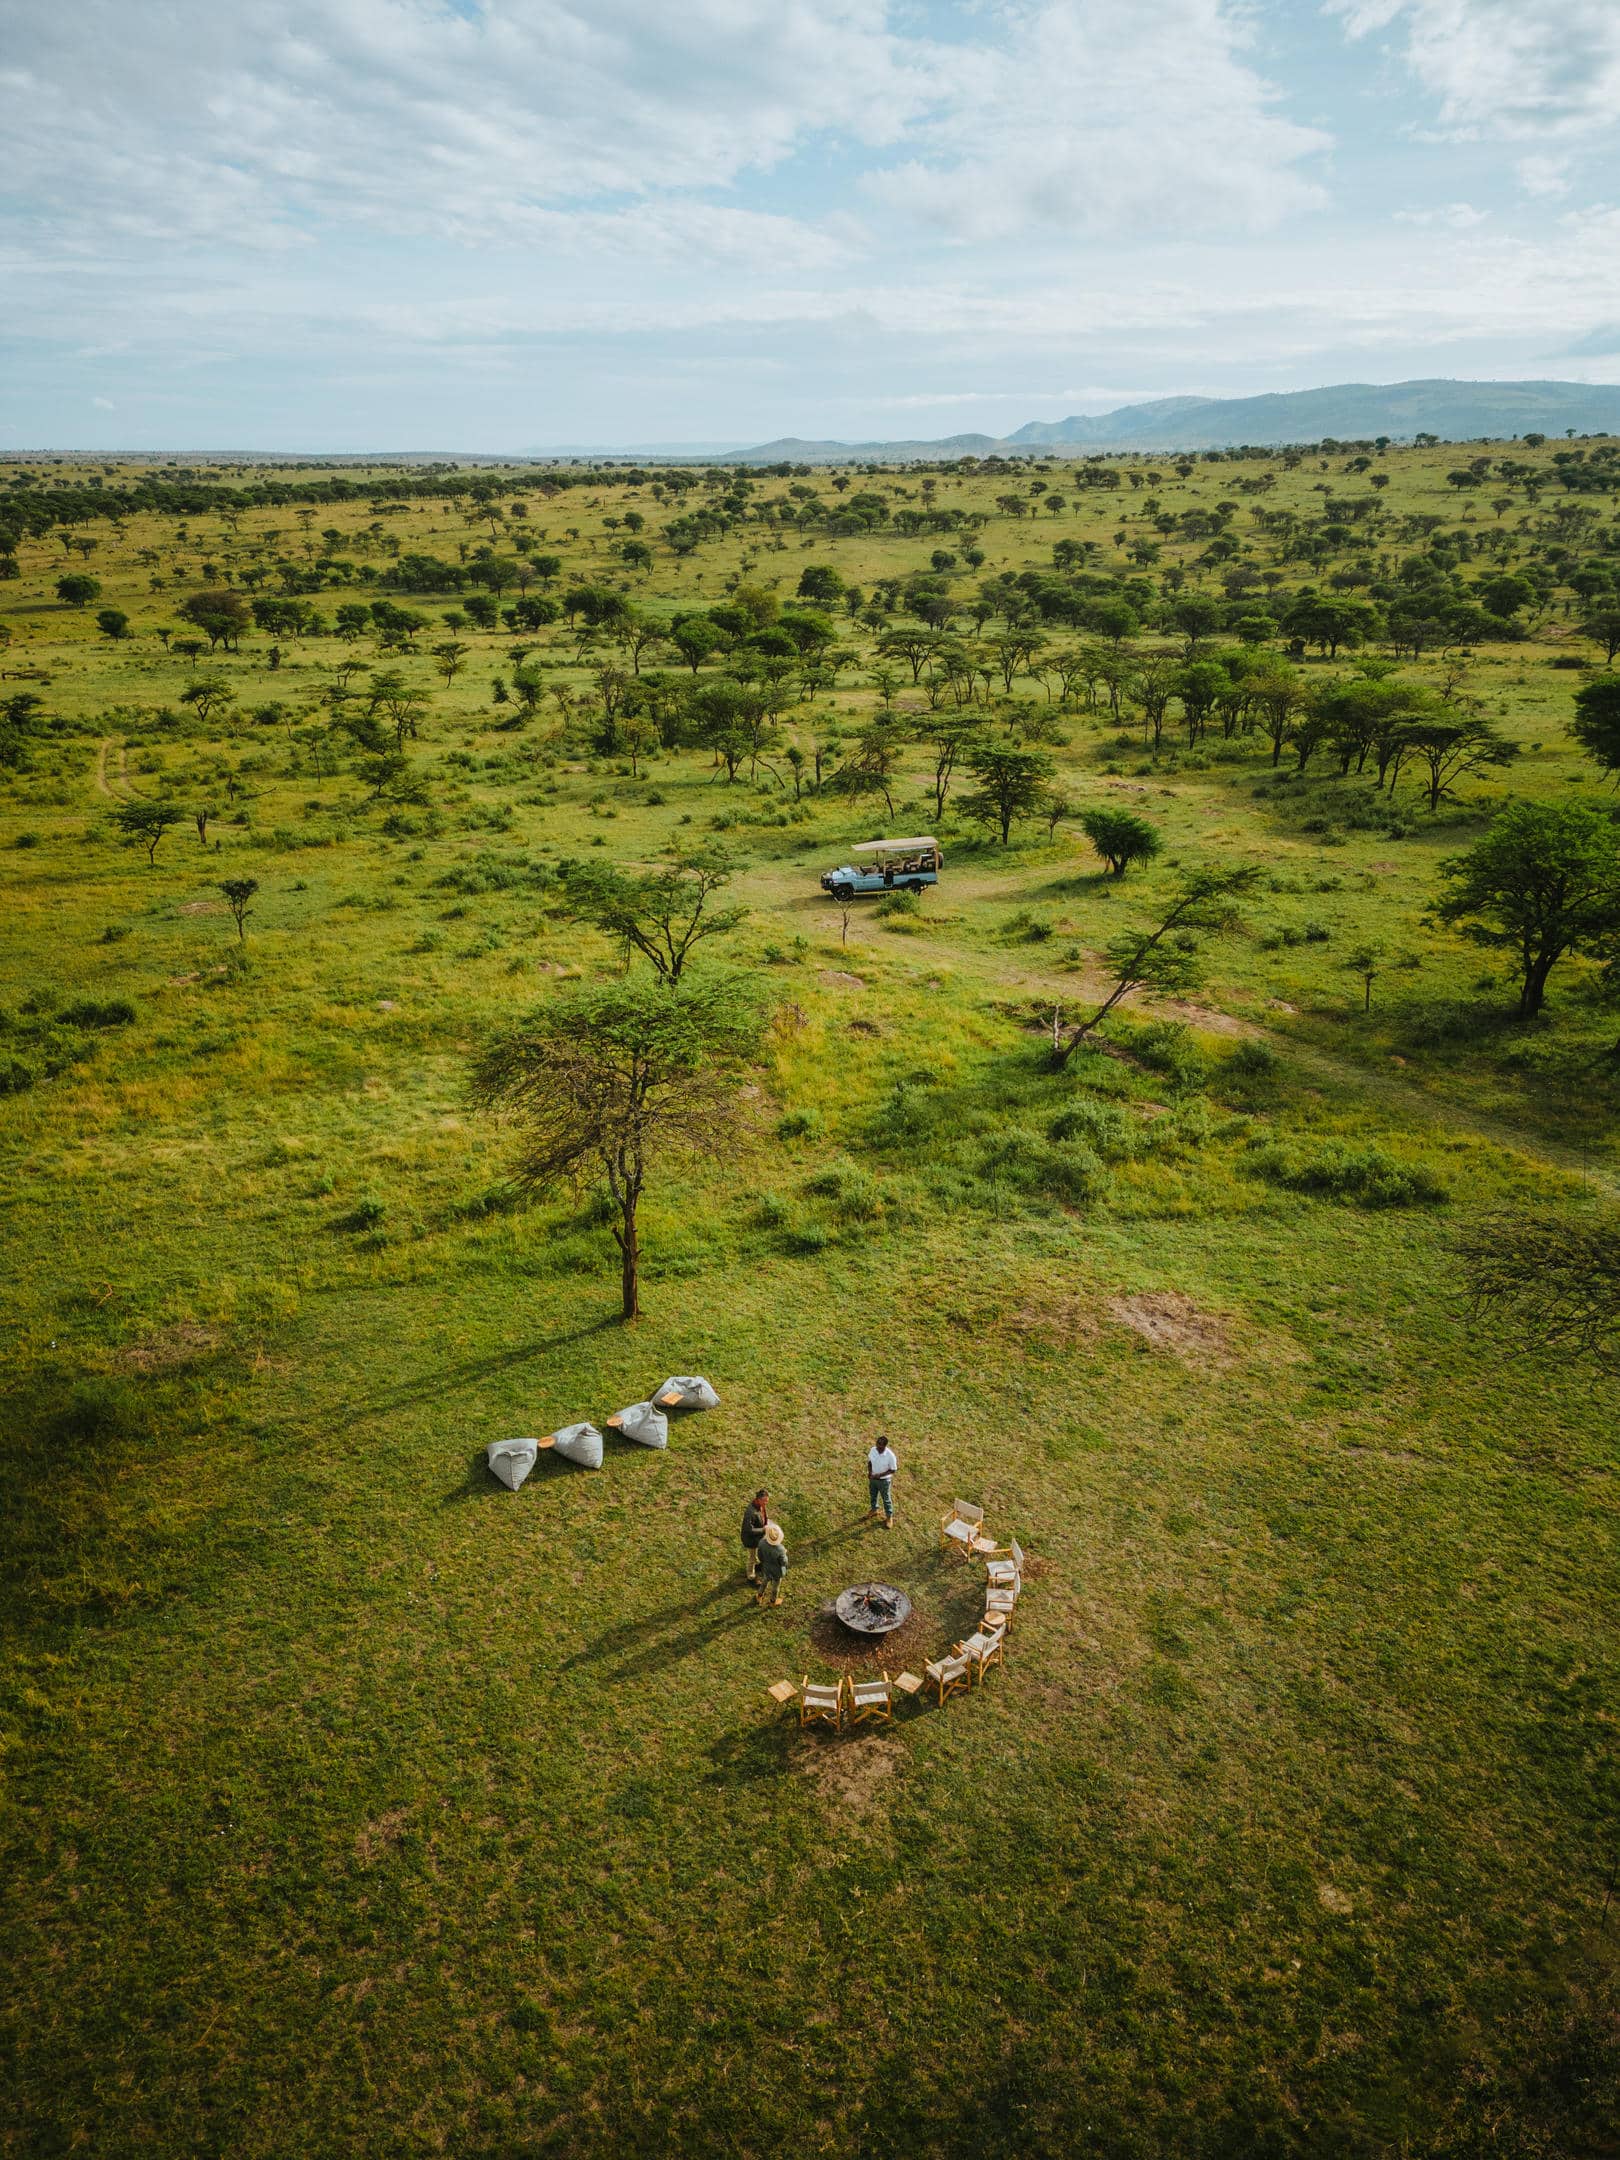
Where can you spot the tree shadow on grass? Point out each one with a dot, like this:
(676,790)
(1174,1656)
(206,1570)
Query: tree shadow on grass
(446,1379)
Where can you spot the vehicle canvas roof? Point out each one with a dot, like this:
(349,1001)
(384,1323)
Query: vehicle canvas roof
(878,847)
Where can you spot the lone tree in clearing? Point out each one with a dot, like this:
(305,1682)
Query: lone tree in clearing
(238,893)
(1165,957)
(616,1078)
(1543,882)
(143,824)
(664,914)
(1120,838)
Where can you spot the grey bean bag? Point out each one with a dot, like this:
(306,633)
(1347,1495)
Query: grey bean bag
(580,1444)
(642,1421)
(511,1460)
(690,1392)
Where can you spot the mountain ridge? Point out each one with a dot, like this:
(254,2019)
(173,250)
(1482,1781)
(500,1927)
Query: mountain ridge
(1452,409)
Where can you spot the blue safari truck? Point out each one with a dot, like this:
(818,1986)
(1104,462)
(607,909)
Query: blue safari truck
(880,866)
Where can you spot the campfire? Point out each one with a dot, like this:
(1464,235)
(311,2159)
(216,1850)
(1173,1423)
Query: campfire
(872,1608)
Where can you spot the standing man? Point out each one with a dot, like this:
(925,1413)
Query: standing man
(881,1464)
(773,1562)
(755,1517)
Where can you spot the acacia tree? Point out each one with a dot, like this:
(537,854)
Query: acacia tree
(1543,882)
(1165,956)
(663,914)
(1120,837)
(616,1078)
(220,613)
(948,740)
(1450,750)
(143,824)
(1012,784)
(238,896)
(1596,725)
(871,767)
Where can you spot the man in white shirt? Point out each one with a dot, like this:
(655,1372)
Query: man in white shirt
(881,1464)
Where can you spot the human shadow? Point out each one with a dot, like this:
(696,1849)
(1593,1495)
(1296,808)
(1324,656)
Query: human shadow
(634,1635)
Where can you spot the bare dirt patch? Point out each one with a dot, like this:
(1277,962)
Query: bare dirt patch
(1202,1016)
(383,1834)
(201,907)
(1168,1321)
(851,1771)
(843,976)
(1068,1318)
(169,1349)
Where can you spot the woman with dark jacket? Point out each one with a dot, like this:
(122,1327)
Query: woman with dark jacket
(755,1516)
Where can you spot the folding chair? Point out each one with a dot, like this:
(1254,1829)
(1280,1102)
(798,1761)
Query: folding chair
(870,1700)
(961,1526)
(950,1676)
(982,1650)
(1003,1599)
(819,1704)
(1008,1570)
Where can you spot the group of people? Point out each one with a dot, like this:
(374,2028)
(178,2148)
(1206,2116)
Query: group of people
(765,1558)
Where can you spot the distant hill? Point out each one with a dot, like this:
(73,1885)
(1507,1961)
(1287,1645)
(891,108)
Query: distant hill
(1454,411)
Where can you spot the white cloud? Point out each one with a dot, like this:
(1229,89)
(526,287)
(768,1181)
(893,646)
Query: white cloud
(1519,69)
(1545,178)
(194,122)
(1455,217)
(1106,116)
(103,404)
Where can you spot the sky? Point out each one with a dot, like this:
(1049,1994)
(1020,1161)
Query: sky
(502,225)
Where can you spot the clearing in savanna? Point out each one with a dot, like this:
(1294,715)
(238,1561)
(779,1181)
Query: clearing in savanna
(354,1804)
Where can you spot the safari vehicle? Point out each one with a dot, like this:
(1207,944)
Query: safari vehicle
(882,866)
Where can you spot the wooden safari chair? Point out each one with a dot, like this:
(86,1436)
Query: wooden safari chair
(1004,1569)
(1002,1598)
(820,1704)
(950,1675)
(961,1526)
(870,1700)
(982,1651)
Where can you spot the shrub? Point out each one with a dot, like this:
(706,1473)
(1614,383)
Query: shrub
(1030,1162)
(799,1125)
(1167,1046)
(16,1076)
(898,903)
(1103,1126)
(1337,1171)
(367,1213)
(99,1013)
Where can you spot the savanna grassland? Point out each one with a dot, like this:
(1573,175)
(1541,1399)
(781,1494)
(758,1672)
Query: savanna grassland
(355,1805)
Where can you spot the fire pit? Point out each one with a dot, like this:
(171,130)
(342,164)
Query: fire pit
(872,1608)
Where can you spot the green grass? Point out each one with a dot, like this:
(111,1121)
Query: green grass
(354,1805)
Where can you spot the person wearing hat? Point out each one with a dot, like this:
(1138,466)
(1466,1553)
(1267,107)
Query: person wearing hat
(881,1464)
(773,1562)
(755,1517)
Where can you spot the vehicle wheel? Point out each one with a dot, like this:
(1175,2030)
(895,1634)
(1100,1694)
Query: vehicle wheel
(843,892)
(919,888)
